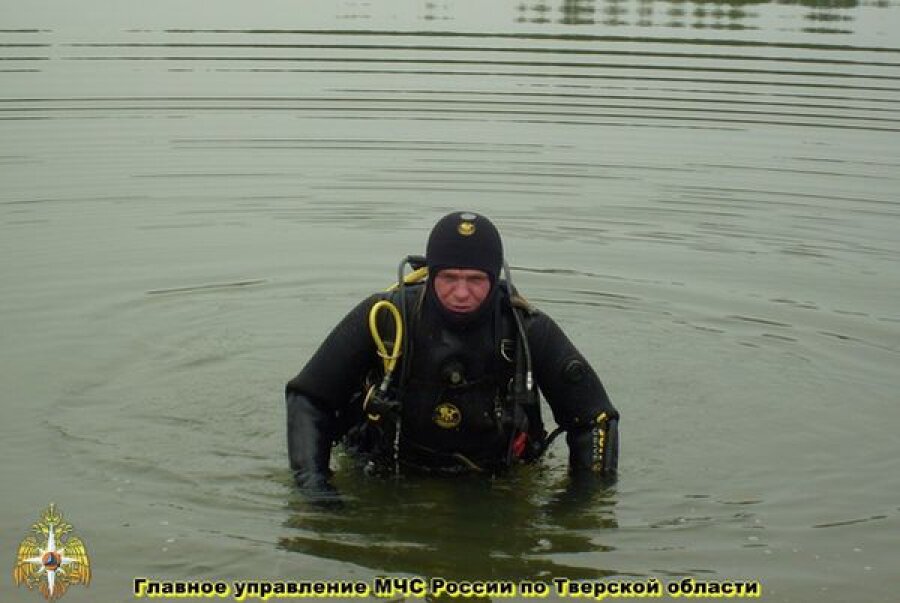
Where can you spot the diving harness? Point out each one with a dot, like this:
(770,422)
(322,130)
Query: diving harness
(381,402)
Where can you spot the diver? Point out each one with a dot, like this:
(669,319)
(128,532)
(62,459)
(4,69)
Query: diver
(442,374)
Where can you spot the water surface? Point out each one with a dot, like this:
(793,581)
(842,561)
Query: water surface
(704,195)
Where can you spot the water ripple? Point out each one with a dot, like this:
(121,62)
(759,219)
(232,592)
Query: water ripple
(783,84)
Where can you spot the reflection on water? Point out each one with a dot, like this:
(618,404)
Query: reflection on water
(427,76)
(814,16)
(517,528)
(702,193)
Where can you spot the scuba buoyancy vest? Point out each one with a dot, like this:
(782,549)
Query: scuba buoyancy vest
(454,400)
(458,400)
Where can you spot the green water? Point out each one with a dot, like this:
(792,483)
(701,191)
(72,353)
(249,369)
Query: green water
(704,196)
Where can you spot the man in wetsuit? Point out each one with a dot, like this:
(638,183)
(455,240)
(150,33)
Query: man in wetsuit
(463,397)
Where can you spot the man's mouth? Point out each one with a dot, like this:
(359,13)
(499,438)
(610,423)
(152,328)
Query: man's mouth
(461,309)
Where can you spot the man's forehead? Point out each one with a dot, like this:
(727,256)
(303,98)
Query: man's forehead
(462,272)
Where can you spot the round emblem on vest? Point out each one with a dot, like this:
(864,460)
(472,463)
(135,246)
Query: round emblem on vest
(447,415)
(466,228)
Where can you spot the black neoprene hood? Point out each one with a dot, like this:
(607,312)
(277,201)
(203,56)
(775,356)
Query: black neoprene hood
(465,240)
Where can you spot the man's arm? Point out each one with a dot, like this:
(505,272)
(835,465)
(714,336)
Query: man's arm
(577,398)
(322,390)
(311,431)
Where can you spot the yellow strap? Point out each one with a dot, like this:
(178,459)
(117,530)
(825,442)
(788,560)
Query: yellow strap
(415,276)
(389,360)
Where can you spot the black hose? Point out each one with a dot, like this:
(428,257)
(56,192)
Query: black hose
(529,383)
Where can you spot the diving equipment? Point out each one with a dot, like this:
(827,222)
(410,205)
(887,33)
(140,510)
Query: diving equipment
(464,240)
(400,381)
(594,449)
(466,396)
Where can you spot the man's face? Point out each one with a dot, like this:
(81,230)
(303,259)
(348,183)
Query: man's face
(462,290)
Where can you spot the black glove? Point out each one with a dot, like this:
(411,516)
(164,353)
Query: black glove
(594,450)
(310,431)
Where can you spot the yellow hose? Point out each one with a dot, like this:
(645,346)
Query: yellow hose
(389,360)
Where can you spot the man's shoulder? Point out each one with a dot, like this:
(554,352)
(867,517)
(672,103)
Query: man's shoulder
(410,293)
(519,302)
(522,304)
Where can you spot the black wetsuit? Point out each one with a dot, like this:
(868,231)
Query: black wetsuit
(458,408)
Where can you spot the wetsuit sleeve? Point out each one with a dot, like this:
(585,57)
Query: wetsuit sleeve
(576,396)
(310,433)
(317,396)
(338,368)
